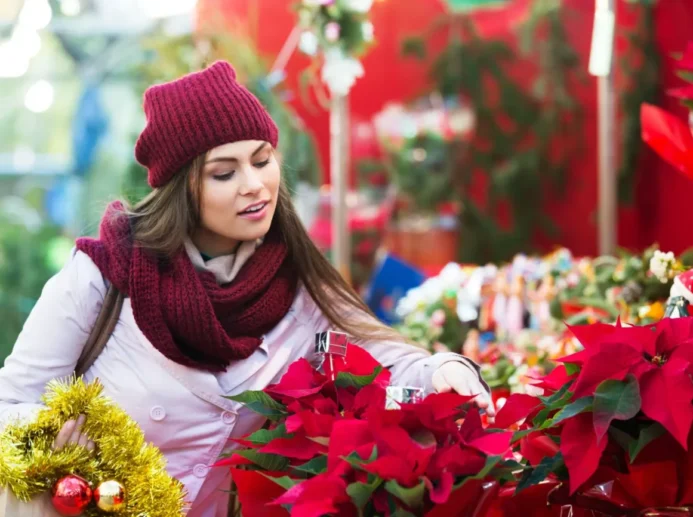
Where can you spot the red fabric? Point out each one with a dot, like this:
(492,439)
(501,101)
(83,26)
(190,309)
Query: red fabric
(661,195)
(185,314)
(191,115)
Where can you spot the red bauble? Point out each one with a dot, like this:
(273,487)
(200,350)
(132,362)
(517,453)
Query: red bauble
(71,495)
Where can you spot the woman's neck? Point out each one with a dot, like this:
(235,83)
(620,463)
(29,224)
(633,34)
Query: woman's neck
(213,246)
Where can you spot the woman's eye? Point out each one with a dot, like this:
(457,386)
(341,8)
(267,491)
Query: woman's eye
(260,165)
(224,176)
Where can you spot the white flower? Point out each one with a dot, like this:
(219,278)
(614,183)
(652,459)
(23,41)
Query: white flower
(308,43)
(660,263)
(358,6)
(340,72)
(332,32)
(438,318)
(368,30)
(452,276)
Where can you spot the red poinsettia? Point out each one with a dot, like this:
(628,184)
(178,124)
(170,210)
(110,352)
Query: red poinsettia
(609,412)
(659,357)
(333,448)
(669,136)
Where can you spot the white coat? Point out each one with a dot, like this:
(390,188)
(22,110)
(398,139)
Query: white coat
(181,410)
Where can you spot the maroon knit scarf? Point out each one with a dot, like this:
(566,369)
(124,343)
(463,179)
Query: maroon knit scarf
(185,314)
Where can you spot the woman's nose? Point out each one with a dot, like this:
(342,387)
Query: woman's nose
(252,183)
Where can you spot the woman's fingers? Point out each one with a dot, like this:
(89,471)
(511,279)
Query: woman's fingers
(77,431)
(83,440)
(71,432)
(64,435)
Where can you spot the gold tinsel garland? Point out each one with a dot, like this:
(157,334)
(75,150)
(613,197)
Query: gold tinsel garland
(30,467)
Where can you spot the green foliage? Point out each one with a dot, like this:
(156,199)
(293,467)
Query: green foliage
(349,380)
(525,138)
(172,57)
(615,400)
(25,266)
(261,403)
(421,169)
(641,71)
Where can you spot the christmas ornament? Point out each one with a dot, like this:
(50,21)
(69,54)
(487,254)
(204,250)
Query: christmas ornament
(109,496)
(29,466)
(71,495)
(680,296)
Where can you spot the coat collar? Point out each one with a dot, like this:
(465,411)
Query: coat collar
(226,267)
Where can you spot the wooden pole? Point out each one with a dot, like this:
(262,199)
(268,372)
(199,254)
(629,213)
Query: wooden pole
(601,65)
(339,167)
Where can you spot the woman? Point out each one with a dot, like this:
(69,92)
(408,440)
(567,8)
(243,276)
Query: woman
(224,290)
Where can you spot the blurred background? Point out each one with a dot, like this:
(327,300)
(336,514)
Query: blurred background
(472,131)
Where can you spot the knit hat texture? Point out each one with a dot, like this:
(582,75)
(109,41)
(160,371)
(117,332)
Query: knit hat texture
(198,112)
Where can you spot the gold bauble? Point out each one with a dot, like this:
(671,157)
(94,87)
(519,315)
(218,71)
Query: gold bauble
(109,496)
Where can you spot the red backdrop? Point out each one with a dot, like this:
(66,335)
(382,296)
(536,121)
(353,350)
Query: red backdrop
(662,196)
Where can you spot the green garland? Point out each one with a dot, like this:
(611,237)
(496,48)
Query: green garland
(641,73)
(30,467)
(524,141)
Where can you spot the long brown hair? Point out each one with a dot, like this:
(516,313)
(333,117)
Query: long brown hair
(163,219)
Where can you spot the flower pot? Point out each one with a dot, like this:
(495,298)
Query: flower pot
(427,249)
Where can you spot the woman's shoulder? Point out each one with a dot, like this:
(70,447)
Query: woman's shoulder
(81,277)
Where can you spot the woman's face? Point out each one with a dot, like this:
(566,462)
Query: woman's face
(238,195)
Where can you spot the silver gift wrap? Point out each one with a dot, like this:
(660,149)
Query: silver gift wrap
(330,344)
(396,395)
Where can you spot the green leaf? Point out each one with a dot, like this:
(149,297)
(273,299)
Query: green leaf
(615,400)
(621,437)
(266,461)
(401,512)
(519,435)
(577,407)
(314,466)
(264,436)
(361,493)
(412,497)
(322,440)
(557,399)
(541,417)
(540,472)
(599,303)
(414,47)
(261,403)
(646,436)
(348,380)
(357,461)
(285,481)
(491,463)
(507,471)
(571,369)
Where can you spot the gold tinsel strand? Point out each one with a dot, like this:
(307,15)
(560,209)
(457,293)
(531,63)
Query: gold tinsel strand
(29,466)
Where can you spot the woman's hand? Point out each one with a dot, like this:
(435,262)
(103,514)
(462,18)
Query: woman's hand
(458,377)
(72,433)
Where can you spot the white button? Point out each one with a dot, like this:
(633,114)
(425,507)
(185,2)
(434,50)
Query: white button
(228,417)
(157,413)
(200,470)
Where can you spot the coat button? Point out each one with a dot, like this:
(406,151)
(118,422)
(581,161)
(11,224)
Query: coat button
(200,470)
(157,413)
(228,417)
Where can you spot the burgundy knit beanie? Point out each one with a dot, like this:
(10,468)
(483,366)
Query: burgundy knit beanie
(191,115)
